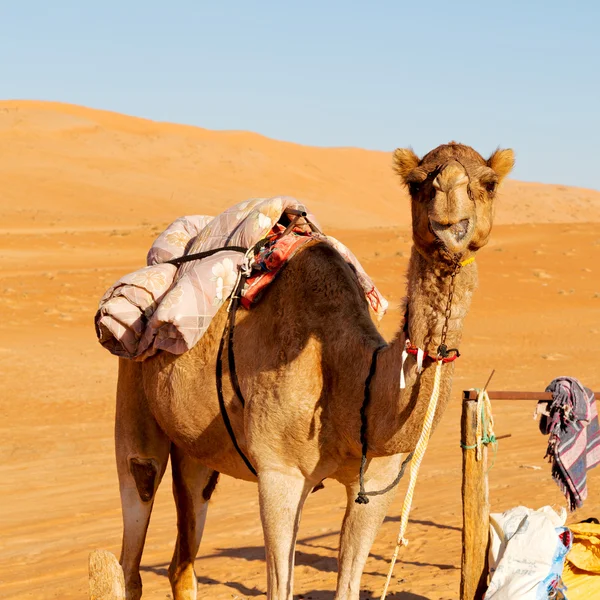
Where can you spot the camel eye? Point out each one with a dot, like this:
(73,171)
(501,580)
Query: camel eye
(414,189)
(490,187)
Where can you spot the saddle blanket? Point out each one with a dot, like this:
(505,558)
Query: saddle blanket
(168,307)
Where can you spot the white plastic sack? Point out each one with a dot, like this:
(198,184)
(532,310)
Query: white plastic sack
(527,553)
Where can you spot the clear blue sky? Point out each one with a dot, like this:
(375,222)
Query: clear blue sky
(369,74)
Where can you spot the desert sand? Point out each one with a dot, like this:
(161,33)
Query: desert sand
(82,195)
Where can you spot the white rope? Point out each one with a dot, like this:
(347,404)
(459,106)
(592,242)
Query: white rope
(484,406)
(415,463)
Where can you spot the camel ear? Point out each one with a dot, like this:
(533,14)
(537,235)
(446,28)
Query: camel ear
(405,161)
(502,162)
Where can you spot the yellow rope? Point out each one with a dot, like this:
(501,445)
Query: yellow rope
(414,470)
(467,261)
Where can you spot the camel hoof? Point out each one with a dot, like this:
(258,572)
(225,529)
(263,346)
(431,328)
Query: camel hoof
(106,576)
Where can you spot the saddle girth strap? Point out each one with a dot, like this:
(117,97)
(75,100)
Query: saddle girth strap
(228,332)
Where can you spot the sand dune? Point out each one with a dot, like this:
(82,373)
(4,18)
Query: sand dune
(64,164)
(83,193)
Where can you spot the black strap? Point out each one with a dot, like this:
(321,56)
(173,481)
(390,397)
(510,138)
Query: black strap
(199,255)
(219,377)
(235,384)
(362,496)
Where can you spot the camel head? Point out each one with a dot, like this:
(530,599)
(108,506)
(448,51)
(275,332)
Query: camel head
(452,190)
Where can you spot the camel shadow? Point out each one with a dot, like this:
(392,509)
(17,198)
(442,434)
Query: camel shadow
(239,587)
(365,595)
(160,570)
(329,566)
(420,522)
(324,564)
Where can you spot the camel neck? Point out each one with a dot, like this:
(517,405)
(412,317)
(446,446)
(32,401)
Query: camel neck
(397,415)
(428,290)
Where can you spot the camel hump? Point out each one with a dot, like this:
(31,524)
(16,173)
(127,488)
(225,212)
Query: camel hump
(106,576)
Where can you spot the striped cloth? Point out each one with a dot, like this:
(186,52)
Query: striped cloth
(574,443)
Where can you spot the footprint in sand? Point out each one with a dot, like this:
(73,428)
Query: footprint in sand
(554,356)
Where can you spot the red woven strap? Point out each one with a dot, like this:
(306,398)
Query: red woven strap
(412,349)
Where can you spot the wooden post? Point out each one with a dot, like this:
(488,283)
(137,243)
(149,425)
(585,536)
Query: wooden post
(476,510)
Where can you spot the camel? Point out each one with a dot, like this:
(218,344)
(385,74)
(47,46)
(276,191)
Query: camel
(302,356)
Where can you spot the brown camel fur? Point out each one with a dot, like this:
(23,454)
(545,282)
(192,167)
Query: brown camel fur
(302,357)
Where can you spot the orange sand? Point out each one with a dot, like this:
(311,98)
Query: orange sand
(84,192)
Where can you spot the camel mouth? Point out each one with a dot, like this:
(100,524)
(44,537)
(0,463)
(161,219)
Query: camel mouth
(454,236)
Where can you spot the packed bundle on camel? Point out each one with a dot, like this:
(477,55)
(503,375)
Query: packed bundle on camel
(196,264)
(302,387)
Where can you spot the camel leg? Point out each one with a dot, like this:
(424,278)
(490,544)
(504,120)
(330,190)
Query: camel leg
(142,451)
(281,497)
(360,526)
(193,485)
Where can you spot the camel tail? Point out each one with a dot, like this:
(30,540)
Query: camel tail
(106,576)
